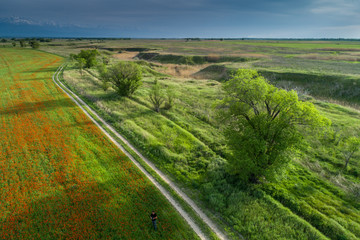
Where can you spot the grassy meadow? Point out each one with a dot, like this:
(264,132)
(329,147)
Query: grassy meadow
(60,177)
(313,198)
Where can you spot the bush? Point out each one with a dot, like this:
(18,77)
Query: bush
(157,96)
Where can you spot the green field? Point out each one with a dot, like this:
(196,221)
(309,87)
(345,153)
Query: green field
(60,177)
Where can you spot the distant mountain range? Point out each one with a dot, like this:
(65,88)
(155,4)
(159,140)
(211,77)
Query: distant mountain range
(27,27)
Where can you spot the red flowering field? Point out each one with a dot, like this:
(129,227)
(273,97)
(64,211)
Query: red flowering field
(60,178)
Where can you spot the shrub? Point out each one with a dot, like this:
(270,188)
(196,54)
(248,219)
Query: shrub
(156,96)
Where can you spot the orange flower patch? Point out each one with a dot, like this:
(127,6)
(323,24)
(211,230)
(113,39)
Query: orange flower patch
(60,178)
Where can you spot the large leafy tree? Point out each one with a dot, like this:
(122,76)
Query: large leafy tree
(262,123)
(125,77)
(88,55)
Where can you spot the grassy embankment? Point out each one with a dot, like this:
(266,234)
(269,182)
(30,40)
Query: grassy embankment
(186,143)
(60,177)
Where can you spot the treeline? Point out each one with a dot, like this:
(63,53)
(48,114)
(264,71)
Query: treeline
(32,42)
(5,40)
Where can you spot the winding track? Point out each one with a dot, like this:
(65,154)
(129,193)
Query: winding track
(182,212)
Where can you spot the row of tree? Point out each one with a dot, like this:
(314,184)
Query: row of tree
(4,40)
(23,43)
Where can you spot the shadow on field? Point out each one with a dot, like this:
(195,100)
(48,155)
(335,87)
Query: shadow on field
(29,107)
(86,210)
(48,69)
(74,213)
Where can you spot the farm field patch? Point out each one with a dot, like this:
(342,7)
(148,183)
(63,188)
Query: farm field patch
(60,178)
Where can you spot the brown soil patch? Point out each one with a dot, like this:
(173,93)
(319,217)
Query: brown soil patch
(128,56)
(184,71)
(354,53)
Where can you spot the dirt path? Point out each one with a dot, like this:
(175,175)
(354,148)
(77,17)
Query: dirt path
(183,213)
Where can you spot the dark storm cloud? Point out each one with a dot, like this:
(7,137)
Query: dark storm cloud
(203,18)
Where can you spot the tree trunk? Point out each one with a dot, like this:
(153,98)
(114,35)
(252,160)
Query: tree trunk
(348,159)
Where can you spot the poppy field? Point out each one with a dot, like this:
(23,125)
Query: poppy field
(60,177)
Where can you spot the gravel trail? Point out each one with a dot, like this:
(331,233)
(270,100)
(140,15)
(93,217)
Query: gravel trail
(182,212)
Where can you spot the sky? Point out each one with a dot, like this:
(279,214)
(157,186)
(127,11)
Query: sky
(195,18)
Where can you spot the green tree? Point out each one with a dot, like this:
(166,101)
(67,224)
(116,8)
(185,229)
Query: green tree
(22,43)
(80,63)
(262,124)
(34,44)
(157,95)
(89,56)
(14,44)
(349,147)
(125,77)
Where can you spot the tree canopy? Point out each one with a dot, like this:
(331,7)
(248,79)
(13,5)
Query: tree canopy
(262,123)
(34,44)
(88,55)
(125,77)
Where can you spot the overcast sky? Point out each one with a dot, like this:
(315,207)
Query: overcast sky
(198,18)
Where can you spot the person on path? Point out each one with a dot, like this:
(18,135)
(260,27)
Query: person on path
(153,217)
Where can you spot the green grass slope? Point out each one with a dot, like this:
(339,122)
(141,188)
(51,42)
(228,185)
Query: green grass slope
(303,202)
